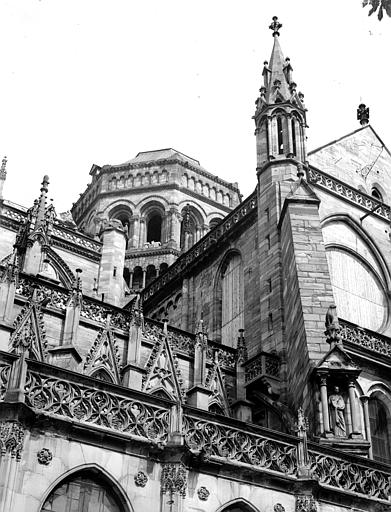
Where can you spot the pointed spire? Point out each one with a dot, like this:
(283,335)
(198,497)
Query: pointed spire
(42,200)
(278,85)
(3,170)
(3,175)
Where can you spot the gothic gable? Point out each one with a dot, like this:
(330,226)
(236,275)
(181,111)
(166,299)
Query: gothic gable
(218,399)
(29,334)
(163,374)
(103,359)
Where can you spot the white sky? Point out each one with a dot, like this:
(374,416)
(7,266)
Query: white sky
(97,81)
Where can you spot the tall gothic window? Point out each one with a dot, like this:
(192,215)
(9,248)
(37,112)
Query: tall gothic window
(380,439)
(231,299)
(280,136)
(82,493)
(293,128)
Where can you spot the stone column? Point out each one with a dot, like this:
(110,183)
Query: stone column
(174,228)
(353,410)
(367,425)
(269,138)
(144,277)
(141,233)
(135,232)
(131,279)
(325,405)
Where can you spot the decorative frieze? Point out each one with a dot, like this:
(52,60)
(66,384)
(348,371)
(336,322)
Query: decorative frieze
(174,479)
(44,456)
(11,439)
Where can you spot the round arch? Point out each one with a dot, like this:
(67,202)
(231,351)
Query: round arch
(238,505)
(96,472)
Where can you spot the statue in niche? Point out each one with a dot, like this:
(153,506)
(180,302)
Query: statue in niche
(337,418)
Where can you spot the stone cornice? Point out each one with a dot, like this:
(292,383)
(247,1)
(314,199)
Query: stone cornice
(141,253)
(348,193)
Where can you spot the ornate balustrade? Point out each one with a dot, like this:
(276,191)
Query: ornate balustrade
(365,338)
(262,364)
(102,408)
(215,440)
(351,474)
(201,248)
(334,185)
(64,395)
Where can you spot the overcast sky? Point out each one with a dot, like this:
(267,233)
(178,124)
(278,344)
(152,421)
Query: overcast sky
(97,81)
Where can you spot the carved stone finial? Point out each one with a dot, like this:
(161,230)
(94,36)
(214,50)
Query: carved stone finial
(363,114)
(242,355)
(275,26)
(302,421)
(3,170)
(333,328)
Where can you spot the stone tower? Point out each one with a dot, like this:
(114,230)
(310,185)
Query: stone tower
(295,286)
(165,200)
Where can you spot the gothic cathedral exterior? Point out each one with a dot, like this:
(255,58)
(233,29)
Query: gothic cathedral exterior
(169,346)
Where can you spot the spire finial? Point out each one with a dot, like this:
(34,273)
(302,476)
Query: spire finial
(275,26)
(363,114)
(3,171)
(42,199)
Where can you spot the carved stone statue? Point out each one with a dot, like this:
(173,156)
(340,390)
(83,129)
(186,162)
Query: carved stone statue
(337,418)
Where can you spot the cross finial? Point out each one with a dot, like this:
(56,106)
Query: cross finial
(363,114)
(275,26)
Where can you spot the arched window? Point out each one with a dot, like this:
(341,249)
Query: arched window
(154,228)
(293,128)
(151,274)
(229,300)
(280,138)
(376,194)
(137,278)
(163,267)
(83,492)
(380,435)
(214,222)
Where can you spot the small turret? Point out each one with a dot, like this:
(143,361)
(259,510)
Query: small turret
(280,112)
